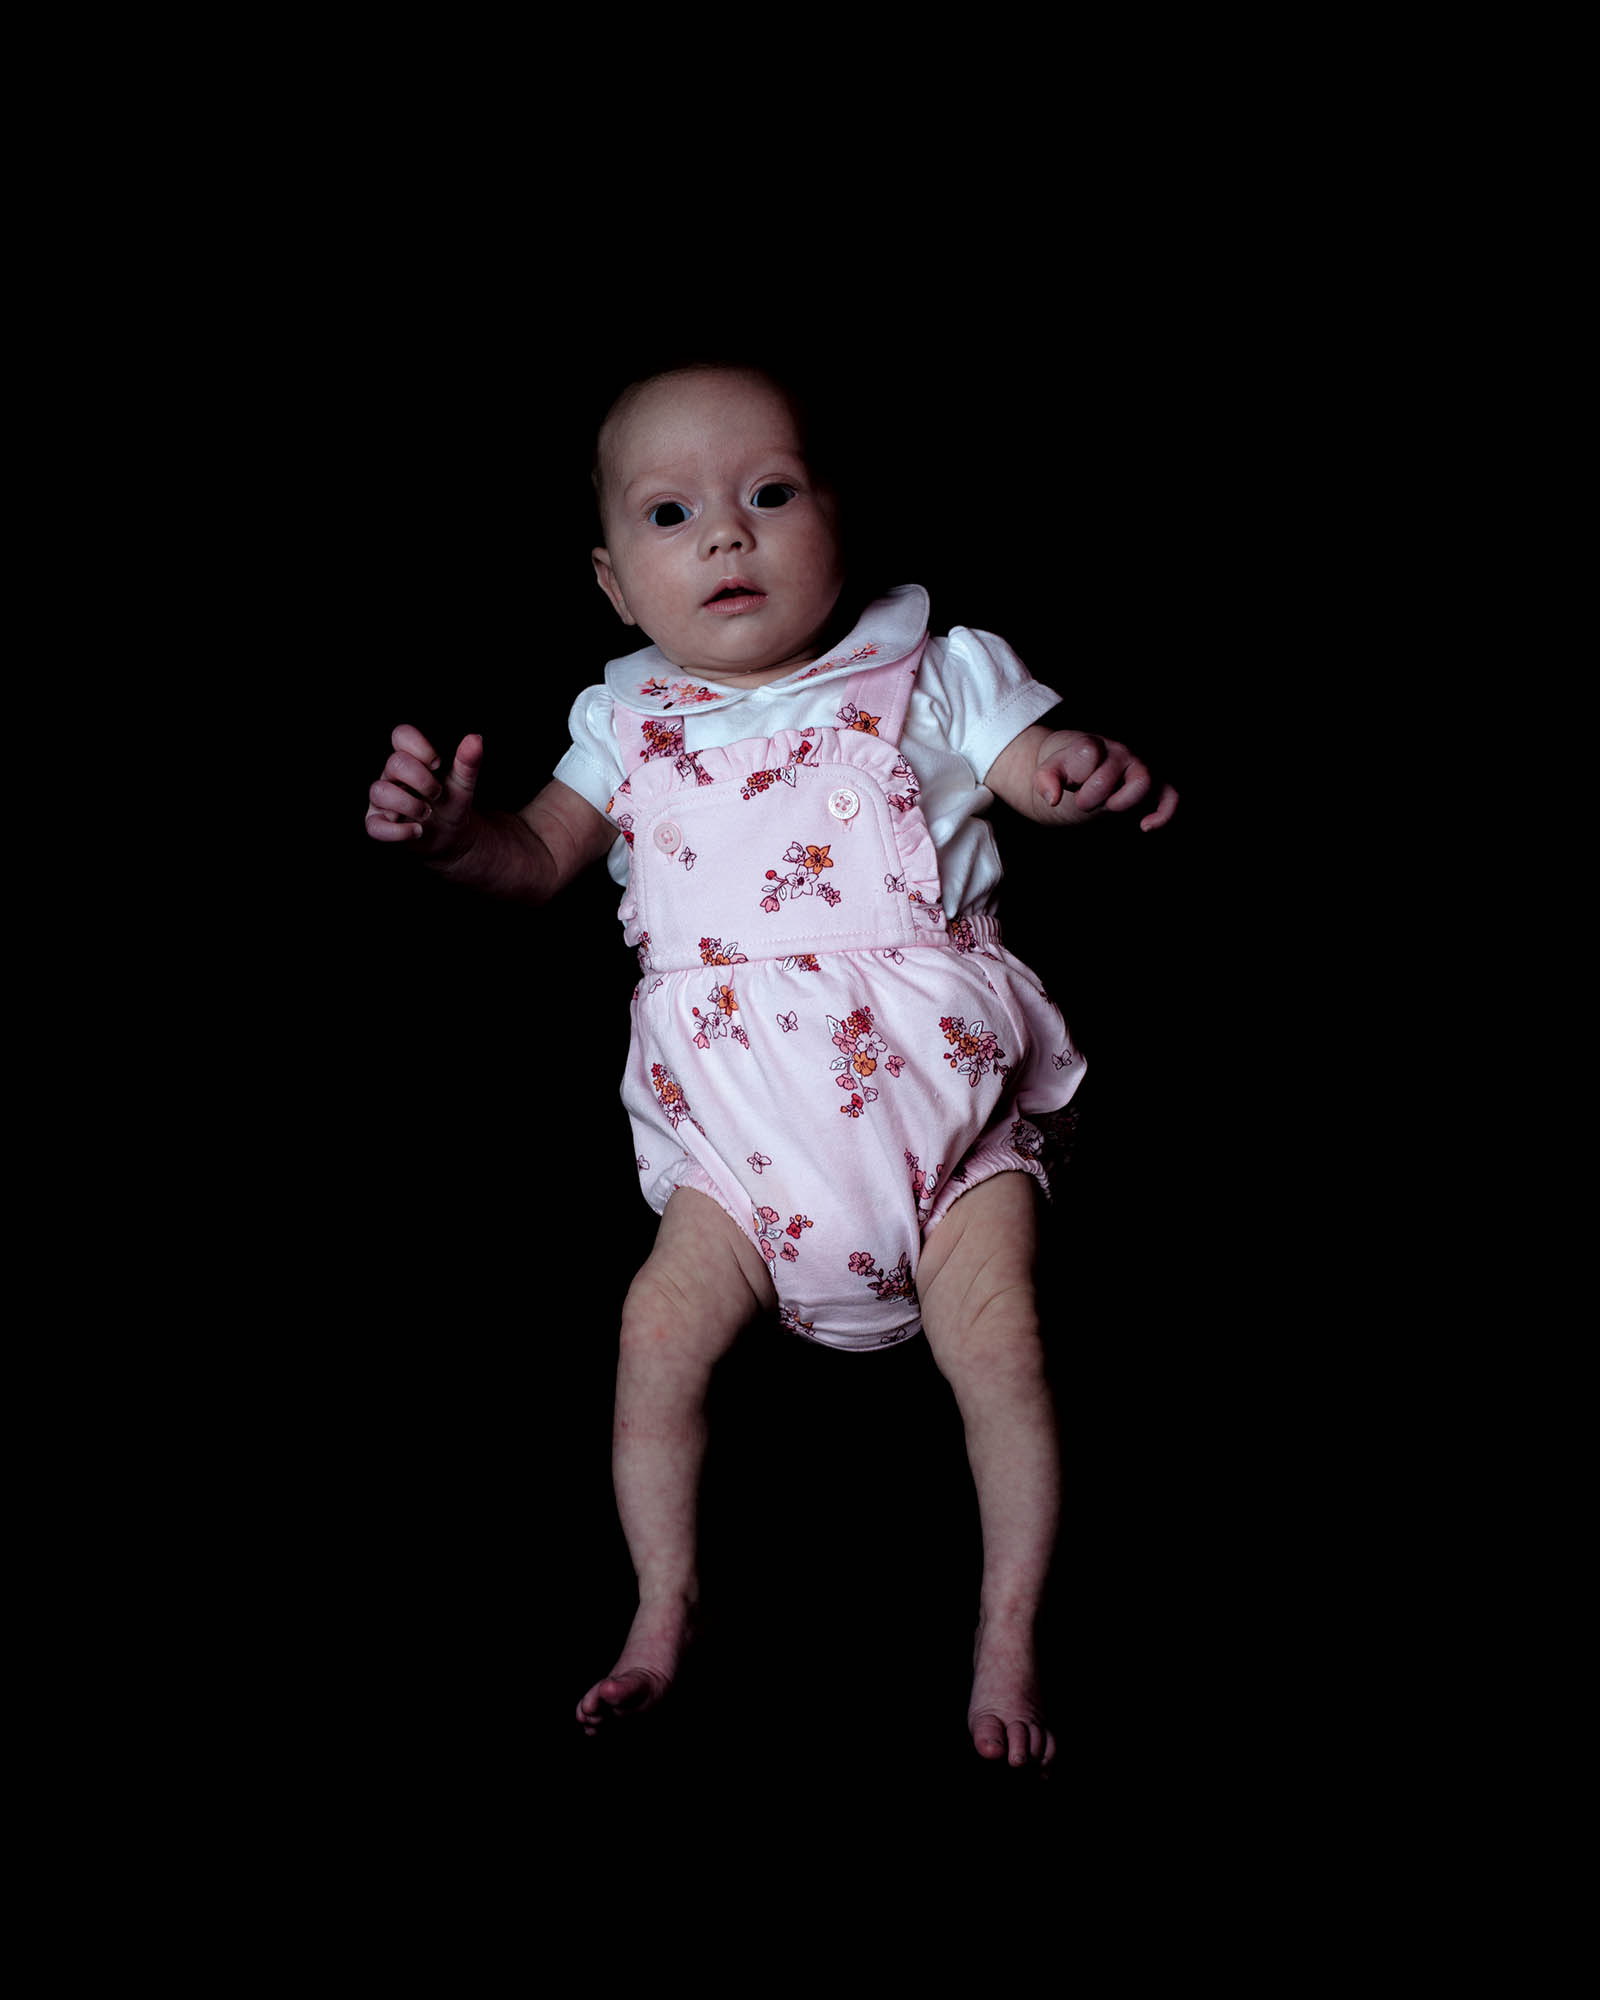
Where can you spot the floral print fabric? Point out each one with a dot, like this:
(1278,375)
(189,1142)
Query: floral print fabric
(815,1046)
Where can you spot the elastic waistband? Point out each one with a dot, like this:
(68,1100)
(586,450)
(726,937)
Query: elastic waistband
(973,933)
(968,933)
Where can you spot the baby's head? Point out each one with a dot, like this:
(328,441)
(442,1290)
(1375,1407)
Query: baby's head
(721,540)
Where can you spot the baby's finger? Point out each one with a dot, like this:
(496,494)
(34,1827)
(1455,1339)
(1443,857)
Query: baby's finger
(1067,768)
(397,802)
(415,744)
(1135,785)
(381,828)
(1078,764)
(403,769)
(1104,785)
(1166,806)
(462,778)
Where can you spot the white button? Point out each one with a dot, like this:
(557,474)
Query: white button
(669,838)
(843,804)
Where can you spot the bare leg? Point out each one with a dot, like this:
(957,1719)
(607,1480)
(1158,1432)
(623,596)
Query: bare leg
(981,1319)
(699,1286)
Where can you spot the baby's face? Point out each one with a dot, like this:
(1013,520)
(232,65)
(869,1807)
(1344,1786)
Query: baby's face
(719,545)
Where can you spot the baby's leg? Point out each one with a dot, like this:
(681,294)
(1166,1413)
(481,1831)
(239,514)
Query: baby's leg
(700,1284)
(980,1316)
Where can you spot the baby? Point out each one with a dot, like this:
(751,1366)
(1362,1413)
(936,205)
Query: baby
(836,1067)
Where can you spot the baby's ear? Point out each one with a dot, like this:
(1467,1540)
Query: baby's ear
(606,577)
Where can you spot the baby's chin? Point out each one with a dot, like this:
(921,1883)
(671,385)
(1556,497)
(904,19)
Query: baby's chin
(743,654)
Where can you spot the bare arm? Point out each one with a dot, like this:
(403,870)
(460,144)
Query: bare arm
(1065,777)
(527,856)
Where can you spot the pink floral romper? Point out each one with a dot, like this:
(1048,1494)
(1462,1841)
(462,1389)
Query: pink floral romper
(815,1046)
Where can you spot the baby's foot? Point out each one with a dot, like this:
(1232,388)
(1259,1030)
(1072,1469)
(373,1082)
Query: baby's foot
(1004,1715)
(645,1671)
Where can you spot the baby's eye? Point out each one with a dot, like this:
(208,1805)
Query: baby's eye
(773,494)
(668,514)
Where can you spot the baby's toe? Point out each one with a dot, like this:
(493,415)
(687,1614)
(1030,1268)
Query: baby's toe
(615,1695)
(988,1735)
(620,1693)
(633,1689)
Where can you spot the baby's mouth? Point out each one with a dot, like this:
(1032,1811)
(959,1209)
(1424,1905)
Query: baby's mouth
(735,595)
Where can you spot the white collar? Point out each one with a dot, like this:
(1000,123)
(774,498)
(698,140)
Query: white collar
(889,629)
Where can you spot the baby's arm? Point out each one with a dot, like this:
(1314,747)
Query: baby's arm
(528,855)
(1064,777)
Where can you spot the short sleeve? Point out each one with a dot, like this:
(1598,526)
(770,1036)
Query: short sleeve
(591,766)
(982,696)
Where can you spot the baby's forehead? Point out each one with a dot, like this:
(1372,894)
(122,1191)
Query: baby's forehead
(704,416)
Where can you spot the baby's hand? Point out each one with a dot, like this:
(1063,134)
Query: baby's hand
(1081,775)
(411,803)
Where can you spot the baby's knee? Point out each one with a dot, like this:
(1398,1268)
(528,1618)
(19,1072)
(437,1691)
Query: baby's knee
(694,1293)
(1005,1334)
(657,1313)
(665,1355)
(991,1345)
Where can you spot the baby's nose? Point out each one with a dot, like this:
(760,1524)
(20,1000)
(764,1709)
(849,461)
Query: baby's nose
(725,532)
